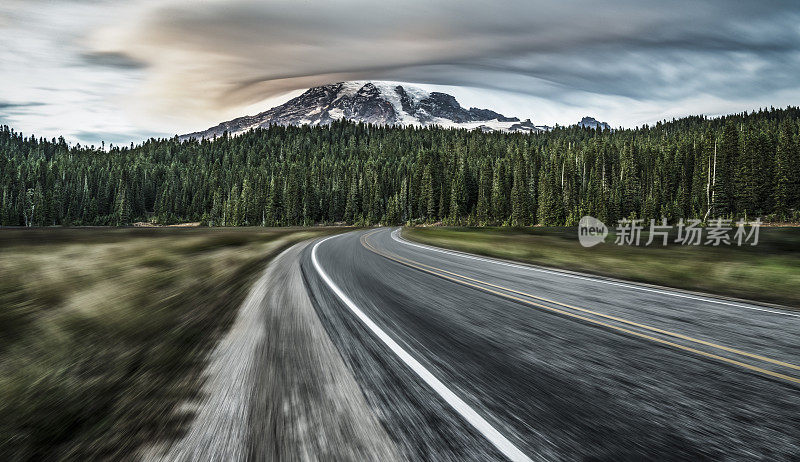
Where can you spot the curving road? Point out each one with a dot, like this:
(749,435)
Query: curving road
(468,358)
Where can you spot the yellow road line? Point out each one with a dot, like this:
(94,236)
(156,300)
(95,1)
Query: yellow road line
(421,267)
(625,321)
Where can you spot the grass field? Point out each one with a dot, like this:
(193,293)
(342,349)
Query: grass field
(104,332)
(768,272)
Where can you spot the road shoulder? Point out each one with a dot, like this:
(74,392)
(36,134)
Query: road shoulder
(277,387)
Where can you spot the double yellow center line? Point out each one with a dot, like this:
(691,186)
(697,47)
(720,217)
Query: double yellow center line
(507,293)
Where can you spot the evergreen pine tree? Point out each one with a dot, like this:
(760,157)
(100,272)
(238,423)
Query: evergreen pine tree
(727,157)
(458,193)
(630,183)
(519,194)
(499,197)
(551,205)
(485,193)
(427,199)
(786,183)
(122,213)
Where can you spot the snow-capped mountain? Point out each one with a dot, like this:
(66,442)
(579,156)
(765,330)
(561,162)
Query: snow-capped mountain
(382,103)
(591,122)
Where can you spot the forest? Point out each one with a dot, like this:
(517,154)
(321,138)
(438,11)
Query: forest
(745,165)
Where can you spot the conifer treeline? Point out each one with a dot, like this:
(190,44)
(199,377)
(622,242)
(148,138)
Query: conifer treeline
(744,165)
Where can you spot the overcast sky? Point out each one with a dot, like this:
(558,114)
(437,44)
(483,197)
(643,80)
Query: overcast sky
(119,71)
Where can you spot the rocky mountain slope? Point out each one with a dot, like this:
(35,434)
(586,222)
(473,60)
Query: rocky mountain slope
(381,103)
(591,122)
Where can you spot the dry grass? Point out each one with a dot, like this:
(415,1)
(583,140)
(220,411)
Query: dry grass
(104,332)
(768,272)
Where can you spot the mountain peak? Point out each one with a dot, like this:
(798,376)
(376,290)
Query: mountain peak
(378,102)
(591,122)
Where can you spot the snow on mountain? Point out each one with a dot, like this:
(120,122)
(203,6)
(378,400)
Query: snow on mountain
(380,103)
(591,122)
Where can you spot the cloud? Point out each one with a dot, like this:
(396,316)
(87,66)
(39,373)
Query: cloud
(180,65)
(7,105)
(9,110)
(89,138)
(219,55)
(112,59)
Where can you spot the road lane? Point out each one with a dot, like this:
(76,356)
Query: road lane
(456,403)
(558,387)
(771,332)
(646,331)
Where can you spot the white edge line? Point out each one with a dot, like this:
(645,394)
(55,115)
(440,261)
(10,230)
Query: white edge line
(402,240)
(485,428)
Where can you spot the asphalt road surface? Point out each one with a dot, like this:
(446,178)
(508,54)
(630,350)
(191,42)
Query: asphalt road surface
(468,358)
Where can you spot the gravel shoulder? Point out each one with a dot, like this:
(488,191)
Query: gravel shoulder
(277,388)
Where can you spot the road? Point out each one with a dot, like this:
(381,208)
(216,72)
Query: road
(467,358)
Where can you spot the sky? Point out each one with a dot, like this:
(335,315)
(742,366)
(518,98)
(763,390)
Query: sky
(121,72)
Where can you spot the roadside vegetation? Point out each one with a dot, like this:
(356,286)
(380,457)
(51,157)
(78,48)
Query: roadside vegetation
(768,272)
(104,333)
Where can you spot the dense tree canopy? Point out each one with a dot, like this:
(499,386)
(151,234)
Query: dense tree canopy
(744,165)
